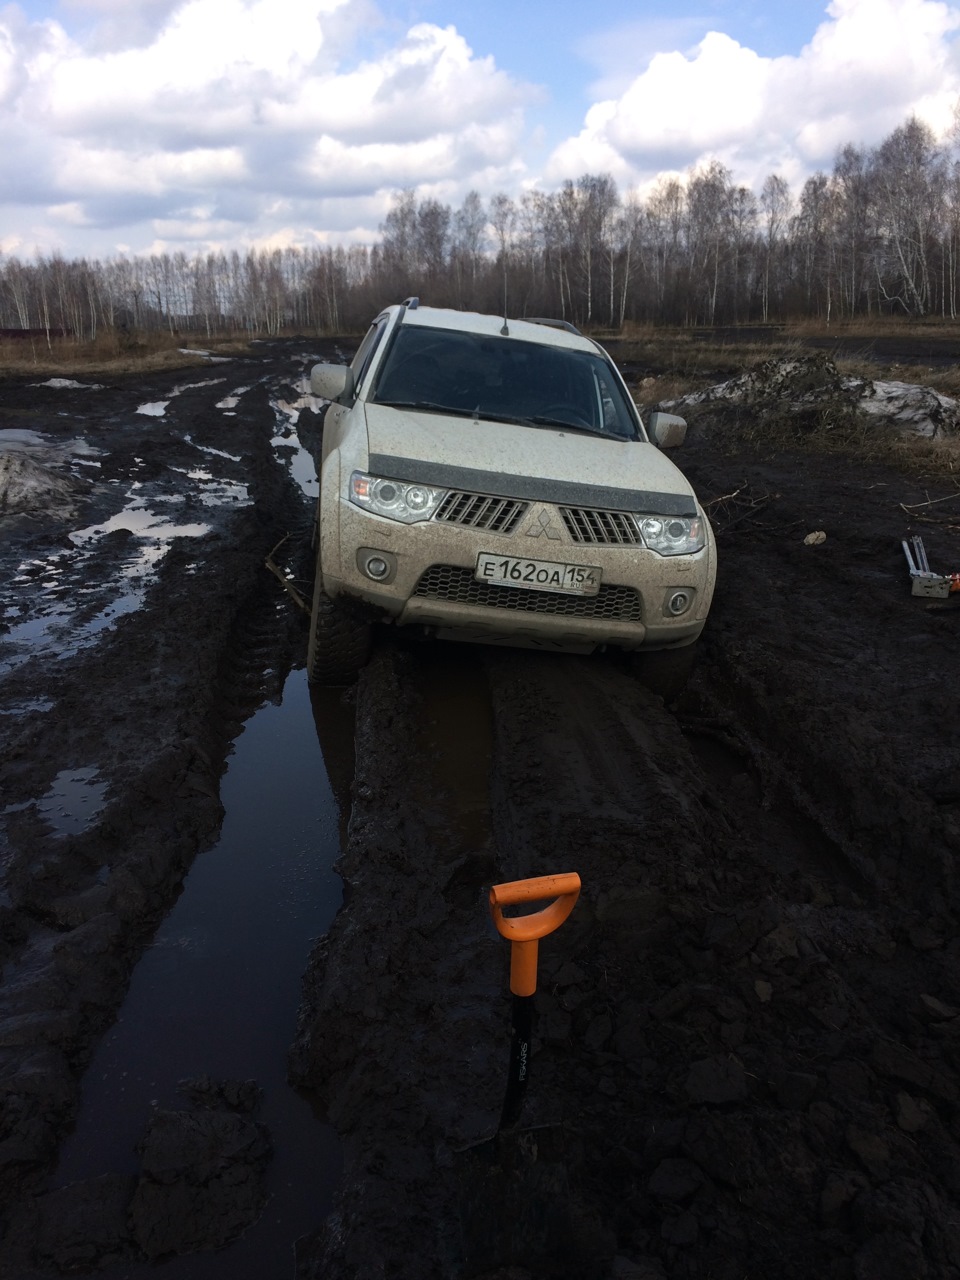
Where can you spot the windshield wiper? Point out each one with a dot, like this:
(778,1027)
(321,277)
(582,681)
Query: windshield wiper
(484,415)
(538,420)
(430,406)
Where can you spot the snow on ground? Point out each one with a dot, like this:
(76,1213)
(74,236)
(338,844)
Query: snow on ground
(70,384)
(908,407)
(28,487)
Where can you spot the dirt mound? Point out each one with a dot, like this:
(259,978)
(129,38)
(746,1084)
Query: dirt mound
(808,393)
(27,487)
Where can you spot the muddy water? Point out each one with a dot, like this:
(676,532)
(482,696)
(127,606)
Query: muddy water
(216,993)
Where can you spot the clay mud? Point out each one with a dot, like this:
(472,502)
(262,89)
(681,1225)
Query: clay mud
(747,1035)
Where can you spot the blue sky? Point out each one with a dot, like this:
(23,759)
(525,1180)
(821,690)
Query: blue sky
(138,126)
(573,58)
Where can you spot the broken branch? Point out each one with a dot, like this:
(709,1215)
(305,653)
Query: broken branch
(282,578)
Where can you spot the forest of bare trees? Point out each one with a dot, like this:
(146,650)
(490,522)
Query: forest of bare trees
(878,235)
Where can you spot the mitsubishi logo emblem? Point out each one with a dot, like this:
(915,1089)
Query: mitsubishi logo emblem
(541,525)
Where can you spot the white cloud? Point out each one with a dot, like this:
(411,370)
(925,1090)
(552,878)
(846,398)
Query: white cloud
(431,80)
(233,107)
(198,124)
(867,68)
(211,55)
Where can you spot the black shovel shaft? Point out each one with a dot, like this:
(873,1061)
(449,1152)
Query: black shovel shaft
(519,1060)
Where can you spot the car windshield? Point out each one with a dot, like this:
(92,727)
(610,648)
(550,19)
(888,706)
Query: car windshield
(503,379)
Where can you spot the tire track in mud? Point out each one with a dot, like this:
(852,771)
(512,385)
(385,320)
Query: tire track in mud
(738,1068)
(745,1055)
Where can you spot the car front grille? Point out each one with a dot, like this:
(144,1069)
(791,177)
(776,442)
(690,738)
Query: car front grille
(478,511)
(600,527)
(457,585)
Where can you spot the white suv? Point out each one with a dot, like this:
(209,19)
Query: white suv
(491,480)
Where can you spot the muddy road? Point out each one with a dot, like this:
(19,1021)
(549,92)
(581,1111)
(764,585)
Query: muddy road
(747,1041)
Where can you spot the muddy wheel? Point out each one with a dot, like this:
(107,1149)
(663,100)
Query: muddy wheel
(339,641)
(666,671)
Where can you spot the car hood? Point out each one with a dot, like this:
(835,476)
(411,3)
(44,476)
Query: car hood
(524,462)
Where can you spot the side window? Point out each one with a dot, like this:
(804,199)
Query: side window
(361,361)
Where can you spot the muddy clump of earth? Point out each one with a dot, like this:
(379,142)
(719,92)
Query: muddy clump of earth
(200,1185)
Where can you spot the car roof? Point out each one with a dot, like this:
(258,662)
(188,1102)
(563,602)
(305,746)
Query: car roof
(473,322)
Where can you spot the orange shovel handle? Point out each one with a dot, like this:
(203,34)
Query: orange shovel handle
(523,932)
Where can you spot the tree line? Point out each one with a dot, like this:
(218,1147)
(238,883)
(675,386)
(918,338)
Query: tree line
(880,234)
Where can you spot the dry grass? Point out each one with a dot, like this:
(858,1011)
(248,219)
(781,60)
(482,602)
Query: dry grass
(113,353)
(663,365)
(868,327)
(691,359)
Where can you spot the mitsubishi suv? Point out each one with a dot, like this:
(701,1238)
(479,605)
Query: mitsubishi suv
(491,480)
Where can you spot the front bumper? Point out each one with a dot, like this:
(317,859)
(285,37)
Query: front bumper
(431,583)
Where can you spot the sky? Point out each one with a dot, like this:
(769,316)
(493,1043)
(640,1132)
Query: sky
(131,127)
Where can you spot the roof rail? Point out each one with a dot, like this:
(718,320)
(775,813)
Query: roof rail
(411,303)
(554,324)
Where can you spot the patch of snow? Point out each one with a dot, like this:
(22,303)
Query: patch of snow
(301,464)
(155,409)
(912,409)
(909,408)
(28,487)
(188,351)
(70,384)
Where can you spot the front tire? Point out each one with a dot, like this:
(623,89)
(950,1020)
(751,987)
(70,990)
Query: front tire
(339,643)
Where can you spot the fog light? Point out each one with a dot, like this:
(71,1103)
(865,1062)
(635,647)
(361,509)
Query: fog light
(380,566)
(678,602)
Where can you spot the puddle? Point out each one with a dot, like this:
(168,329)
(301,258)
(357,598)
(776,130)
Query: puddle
(191,386)
(207,448)
(232,400)
(214,492)
(52,629)
(15,440)
(27,708)
(218,990)
(73,801)
(299,460)
(157,408)
(53,619)
(141,521)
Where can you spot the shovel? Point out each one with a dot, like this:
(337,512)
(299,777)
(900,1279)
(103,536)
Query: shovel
(514,1200)
(524,934)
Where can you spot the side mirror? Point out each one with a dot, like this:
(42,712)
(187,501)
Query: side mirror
(668,430)
(332,382)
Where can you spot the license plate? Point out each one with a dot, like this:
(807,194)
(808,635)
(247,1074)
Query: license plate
(538,575)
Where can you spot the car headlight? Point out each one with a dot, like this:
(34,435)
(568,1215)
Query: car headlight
(672,535)
(395,499)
